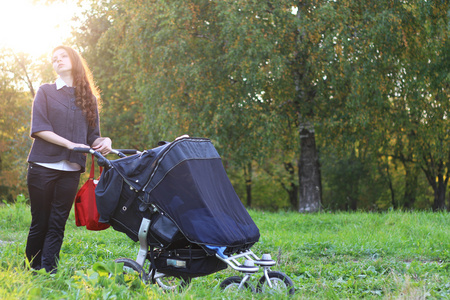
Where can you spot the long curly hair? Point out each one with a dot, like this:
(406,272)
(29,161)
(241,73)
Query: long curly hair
(87,96)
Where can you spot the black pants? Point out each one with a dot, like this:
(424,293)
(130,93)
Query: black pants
(52,193)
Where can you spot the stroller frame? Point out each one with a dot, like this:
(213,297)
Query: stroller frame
(274,280)
(242,260)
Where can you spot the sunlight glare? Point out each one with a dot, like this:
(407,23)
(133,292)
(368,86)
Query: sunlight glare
(35,28)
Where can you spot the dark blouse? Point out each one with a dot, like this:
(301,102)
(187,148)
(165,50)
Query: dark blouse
(55,110)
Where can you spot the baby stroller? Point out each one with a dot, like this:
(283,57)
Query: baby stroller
(176,200)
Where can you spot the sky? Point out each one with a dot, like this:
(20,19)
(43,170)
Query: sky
(35,28)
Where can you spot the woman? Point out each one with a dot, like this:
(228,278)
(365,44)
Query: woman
(64,116)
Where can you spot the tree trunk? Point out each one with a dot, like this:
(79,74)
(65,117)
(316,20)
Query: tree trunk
(411,177)
(310,186)
(433,172)
(26,78)
(439,194)
(391,187)
(292,189)
(248,171)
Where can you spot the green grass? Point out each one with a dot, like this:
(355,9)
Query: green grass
(393,255)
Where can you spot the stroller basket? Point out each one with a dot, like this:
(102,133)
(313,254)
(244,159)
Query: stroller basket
(187,263)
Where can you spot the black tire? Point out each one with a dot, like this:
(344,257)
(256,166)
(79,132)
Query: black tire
(132,270)
(281,284)
(232,283)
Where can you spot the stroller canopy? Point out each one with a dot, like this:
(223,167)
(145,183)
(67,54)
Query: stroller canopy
(186,181)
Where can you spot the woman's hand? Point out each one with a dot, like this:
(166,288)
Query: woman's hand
(102,145)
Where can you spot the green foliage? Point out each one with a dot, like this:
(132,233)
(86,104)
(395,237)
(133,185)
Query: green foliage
(19,75)
(267,190)
(371,76)
(247,74)
(14,144)
(121,111)
(372,63)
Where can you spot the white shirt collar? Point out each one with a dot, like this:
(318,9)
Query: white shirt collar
(60,83)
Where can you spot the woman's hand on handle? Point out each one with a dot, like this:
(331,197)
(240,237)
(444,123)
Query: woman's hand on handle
(102,145)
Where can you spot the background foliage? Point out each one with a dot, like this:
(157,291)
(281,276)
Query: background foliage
(367,81)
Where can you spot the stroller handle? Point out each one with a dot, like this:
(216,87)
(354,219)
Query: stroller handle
(125,151)
(119,152)
(101,160)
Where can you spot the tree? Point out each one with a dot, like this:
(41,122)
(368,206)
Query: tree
(14,129)
(369,78)
(121,110)
(376,61)
(176,56)
(409,43)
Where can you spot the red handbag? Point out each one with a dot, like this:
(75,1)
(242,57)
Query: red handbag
(86,213)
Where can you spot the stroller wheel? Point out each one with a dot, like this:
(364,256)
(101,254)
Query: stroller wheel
(132,270)
(280,284)
(172,283)
(232,284)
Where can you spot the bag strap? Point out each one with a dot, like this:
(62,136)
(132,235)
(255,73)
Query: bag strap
(92,173)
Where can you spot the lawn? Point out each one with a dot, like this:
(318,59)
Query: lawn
(391,255)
